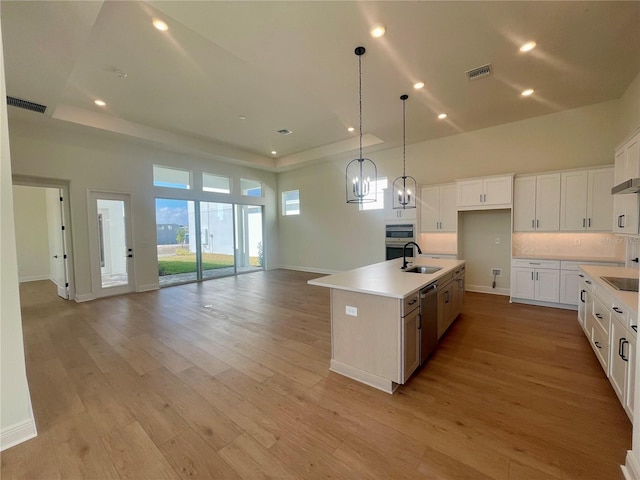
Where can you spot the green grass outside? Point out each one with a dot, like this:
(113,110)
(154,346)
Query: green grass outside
(186,263)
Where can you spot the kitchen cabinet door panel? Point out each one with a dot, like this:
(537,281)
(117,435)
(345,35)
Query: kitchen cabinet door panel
(411,343)
(547,285)
(573,213)
(619,361)
(600,200)
(524,204)
(548,203)
(448,209)
(569,287)
(631,377)
(498,191)
(523,283)
(470,193)
(430,209)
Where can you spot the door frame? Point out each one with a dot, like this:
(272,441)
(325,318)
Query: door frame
(92,215)
(63,185)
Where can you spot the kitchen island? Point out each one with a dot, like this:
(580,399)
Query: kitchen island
(376,326)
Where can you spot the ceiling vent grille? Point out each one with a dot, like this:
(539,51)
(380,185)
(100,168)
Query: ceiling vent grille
(17,102)
(284,131)
(480,72)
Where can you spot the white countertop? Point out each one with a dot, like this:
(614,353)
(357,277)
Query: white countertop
(571,258)
(386,279)
(629,299)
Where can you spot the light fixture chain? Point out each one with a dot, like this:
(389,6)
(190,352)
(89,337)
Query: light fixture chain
(404,139)
(360,97)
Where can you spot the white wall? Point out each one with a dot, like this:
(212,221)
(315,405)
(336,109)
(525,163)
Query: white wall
(331,235)
(113,163)
(32,236)
(16,417)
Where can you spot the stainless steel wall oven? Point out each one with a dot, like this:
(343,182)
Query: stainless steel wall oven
(396,236)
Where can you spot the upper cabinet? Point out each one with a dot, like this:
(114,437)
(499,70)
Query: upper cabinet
(586,202)
(536,203)
(439,211)
(485,193)
(391,213)
(625,206)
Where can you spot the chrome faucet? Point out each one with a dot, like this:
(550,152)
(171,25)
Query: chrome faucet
(404,253)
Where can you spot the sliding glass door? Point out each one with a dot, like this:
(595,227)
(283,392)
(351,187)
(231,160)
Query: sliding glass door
(200,240)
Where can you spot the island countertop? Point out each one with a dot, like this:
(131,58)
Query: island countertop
(386,279)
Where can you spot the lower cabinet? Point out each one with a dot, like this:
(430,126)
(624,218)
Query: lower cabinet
(450,299)
(411,343)
(612,336)
(536,280)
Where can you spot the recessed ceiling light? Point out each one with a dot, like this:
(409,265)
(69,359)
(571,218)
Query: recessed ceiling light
(418,85)
(377,31)
(442,116)
(350,129)
(527,47)
(160,25)
(527,92)
(242,117)
(100,103)
(273,152)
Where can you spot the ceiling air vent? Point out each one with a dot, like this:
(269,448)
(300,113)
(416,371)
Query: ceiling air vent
(17,102)
(480,72)
(284,131)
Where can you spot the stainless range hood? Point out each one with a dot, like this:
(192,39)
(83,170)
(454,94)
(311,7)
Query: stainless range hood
(630,186)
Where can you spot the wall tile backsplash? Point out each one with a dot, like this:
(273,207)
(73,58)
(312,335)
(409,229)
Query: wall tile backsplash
(583,245)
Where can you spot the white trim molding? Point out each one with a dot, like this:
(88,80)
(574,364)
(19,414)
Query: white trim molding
(34,278)
(85,297)
(631,469)
(148,288)
(18,433)
(305,269)
(486,289)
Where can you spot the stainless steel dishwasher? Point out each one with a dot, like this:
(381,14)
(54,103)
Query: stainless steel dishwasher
(428,320)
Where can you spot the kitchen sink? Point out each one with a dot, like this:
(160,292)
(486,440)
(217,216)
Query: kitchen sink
(423,269)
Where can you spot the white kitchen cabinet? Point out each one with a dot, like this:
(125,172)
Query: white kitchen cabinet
(586,201)
(618,346)
(439,212)
(569,285)
(391,213)
(625,206)
(487,192)
(536,203)
(536,280)
(585,301)
(631,377)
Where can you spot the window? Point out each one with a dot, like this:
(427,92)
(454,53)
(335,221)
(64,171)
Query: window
(215,183)
(291,202)
(380,185)
(251,188)
(171,177)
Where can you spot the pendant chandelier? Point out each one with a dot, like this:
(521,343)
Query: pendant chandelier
(404,188)
(361,174)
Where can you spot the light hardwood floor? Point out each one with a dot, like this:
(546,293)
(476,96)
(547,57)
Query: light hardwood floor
(229,379)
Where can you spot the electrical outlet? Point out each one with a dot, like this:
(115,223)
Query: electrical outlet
(352,311)
(497,272)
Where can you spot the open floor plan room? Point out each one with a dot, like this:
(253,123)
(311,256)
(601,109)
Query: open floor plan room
(229,379)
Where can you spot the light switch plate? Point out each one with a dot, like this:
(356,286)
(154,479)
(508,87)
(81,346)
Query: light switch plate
(353,311)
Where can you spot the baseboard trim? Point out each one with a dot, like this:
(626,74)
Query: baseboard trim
(485,289)
(85,297)
(361,376)
(537,303)
(18,433)
(34,278)
(148,288)
(305,269)
(631,468)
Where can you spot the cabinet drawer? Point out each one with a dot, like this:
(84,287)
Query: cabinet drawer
(410,303)
(600,345)
(532,263)
(601,315)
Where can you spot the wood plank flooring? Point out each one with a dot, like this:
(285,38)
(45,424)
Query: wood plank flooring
(229,379)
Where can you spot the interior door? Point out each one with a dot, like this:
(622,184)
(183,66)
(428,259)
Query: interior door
(111,242)
(58,263)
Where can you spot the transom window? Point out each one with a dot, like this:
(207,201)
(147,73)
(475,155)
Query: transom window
(291,202)
(251,188)
(215,183)
(171,177)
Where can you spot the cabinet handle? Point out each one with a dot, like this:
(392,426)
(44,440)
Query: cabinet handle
(446,296)
(419,322)
(620,340)
(537,223)
(531,275)
(480,198)
(533,224)
(584,222)
(588,281)
(536,276)
(589,223)
(413,301)
(582,296)
(597,344)
(635,328)
(617,310)
(599,316)
(581,275)
(534,263)
(624,340)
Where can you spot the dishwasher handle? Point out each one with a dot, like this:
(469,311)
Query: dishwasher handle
(428,290)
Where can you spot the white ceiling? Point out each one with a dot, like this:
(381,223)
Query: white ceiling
(292,65)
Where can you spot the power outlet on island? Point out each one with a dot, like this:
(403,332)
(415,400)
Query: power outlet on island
(352,311)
